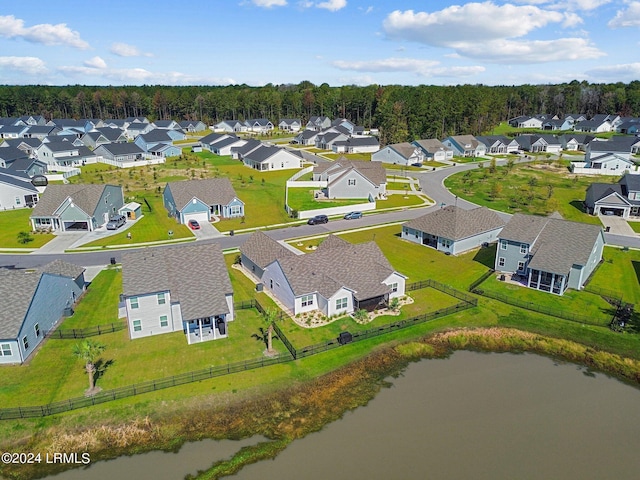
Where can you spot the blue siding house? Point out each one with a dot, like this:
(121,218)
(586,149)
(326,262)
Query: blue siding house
(32,302)
(201,200)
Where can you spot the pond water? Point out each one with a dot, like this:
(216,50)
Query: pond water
(473,415)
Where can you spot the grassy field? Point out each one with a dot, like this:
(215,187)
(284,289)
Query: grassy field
(16,221)
(539,188)
(619,271)
(303,199)
(350,156)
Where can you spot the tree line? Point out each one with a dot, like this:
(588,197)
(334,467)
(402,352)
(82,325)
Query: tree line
(400,112)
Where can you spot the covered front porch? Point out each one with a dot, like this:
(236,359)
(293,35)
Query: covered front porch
(547,281)
(205,329)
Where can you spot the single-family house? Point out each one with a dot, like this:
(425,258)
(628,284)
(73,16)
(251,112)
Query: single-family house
(454,230)
(123,155)
(221,143)
(325,140)
(32,302)
(337,279)
(433,150)
(575,142)
(352,179)
(290,124)
(40,131)
(64,154)
(16,190)
(185,288)
(493,144)
(267,158)
(166,125)
(360,144)
(157,136)
(557,124)
(238,152)
(318,123)
(259,251)
(612,157)
(258,125)
(9,154)
(27,166)
(399,154)
(465,146)
(137,128)
(306,137)
(27,145)
(539,143)
(202,199)
(76,207)
(549,254)
(231,126)
(630,126)
(192,126)
(621,199)
(165,150)
(13,131)
(593,126)
(526,121)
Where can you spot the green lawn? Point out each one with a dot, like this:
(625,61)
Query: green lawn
(619,271)
(539,188)
(302,199)
(350,156)
(16,221)
(635,226)
(433,163)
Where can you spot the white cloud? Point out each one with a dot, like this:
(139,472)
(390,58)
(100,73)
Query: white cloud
(26,65)
(44,33)
(621,72)
(486,31)
(627,18)
(95,62)
(363,80)
(126,50)
(426,68)
(269,3)
(566,4)
(141,76)
(332,5)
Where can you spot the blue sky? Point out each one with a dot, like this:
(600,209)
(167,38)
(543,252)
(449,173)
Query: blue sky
(339,42)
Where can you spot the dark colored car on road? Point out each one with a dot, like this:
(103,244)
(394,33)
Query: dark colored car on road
(317,220)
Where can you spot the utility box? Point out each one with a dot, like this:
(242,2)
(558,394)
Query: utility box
(344,338)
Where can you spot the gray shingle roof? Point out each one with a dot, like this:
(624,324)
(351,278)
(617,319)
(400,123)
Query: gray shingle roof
(196,276)
(17,288)
(431,145)
(212,191)
(263,250)
(373,171)
(456,223)
(86,197)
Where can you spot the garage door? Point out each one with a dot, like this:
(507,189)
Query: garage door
(75,226)
(200,217)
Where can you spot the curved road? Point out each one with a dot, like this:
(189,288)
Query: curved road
(430,181)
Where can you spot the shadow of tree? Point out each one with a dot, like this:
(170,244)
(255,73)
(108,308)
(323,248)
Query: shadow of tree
(101,367)
(636,268)
(578,205)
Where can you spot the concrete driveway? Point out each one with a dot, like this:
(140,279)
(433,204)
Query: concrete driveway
(616,225)
(61,242)
(206,231)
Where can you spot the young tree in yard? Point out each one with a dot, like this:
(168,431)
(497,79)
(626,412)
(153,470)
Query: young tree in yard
(89,351)
(510,164)
(269,316)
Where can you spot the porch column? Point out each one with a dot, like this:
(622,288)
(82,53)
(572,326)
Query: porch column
(188,335)
(553,282)
(564,278)
(539,278)
(529,279)
(200,328)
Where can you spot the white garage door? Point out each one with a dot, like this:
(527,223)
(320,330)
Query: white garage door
(200,217)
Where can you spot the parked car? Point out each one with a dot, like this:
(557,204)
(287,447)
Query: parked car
(353,215)
(116,221)
(318,219)
(194,225)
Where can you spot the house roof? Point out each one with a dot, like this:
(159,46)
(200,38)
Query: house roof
(358,267)
(86,197)
(196,276)
(373,171)
(456,223)
(263,250)
(466,141)
(17,288)
(121,148)
(156,135)
(431,145)
(211,191)
(598,191)
(15,178)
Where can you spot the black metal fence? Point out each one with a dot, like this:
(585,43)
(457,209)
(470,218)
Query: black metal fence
(75,333)
(476,283)
(535,307)
(612,296)
(441,287)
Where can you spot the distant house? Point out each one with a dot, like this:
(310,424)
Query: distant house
(166,125)
(498,144)
(575,142)
(338,278)
(539,143)
(593,126)
(268,158)
(612,157)
(526,121)
(360,144)
(549,254)
(76,207)
(433,150)
(192,126)
(621,199)
(231,126)
(185,288)
(318,123)
(124,155)
(32,302)
(29,167)
(352,179)
(306,137)
(399,154)
(200,200)
(258,125)
(146,141)
(221,143)
(64,154)
(454,230)
(290,124)
(16,190)
(465,146)
(239,152)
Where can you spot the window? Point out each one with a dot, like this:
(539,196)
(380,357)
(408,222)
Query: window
(164,321)
(341,303)
(134,302)
(25,342)
(394,287)
(520,266)
(351,181)
(307,300)
(137,325)
(503,244)
(235,210)
(5,350)
(17,200)
(36,328)
(523,248)
(161,299)
(501,262)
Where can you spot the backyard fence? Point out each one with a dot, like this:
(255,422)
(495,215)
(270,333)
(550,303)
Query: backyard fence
(611,296)
(75,333)
(476,283)
(443,288)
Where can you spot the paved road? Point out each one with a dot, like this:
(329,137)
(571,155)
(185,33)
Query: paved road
(430,181)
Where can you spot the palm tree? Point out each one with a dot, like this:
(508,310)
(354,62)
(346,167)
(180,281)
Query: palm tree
(269,316)
(89,351)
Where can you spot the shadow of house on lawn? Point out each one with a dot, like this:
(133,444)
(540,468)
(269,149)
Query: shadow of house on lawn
(486,256)
(578,205)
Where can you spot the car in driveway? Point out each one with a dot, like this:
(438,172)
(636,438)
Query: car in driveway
(317,220)
(353,215)
(194,225)
(116,221)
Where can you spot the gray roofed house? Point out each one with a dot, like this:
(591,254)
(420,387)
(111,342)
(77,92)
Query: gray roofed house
(270,157)
(260,250)
(454,230)
(549,254)
(27,166)
(32,302)
(621,199)
(202,199)
(192,125)
(185,288)
(336,279)
(352,179)
(362,144)
(238,152)
(434,149)
(124,155)
(16,190)
(76,207)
